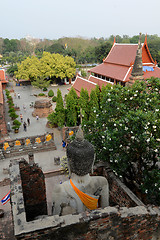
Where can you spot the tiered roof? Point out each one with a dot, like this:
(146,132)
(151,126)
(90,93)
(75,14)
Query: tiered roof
(118,64)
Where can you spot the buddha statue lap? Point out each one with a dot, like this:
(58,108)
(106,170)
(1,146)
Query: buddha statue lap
(82,192)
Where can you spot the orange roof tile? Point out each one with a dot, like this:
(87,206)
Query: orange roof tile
(2,74)
(83,83)
(1,94)
(119,62)
(114,71)
(147,74)
(100,82)
(122,54)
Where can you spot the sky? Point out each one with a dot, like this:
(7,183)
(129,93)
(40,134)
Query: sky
(53,19)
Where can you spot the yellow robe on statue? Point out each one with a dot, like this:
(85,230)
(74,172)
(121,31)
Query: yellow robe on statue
(90,202)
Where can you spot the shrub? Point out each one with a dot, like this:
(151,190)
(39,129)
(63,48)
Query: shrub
(50,93)
(54,99)
(11,110)
(16,124)
(44,89)
(41,94)
(11,104)
(9,98)
(13,115)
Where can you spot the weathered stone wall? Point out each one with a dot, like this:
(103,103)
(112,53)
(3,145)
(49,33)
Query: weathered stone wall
(34,191)
(42,108)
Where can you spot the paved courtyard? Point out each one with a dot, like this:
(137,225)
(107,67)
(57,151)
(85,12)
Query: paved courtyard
(44,159)
(37,127)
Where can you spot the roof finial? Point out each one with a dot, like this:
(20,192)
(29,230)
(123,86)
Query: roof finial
(114,40)
(139,43)
(145,41)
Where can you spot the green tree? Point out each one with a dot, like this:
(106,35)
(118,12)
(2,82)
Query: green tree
(57,118)
(60,109)
(102,51)
(41,83)
(93,105)
(48,67)
(72,108)
(55,48)
(126,133)
(84,103)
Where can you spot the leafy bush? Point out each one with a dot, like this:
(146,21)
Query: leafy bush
(16,124)
(10,104)
(50,93)
(54,99)
(13,115)
(9,98)
(41,94)
(44,89)
(11,110)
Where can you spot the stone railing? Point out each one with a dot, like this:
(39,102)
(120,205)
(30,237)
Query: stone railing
(22,146)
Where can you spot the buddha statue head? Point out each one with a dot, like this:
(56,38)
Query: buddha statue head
(80,154)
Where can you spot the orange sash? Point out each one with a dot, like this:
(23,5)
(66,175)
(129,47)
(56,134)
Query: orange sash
(90,202)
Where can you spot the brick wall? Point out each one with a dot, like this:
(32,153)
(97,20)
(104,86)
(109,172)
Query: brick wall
(34,191)
(109,224)
(3,129)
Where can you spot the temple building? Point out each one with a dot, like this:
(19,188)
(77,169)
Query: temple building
(3,79)
(118,66)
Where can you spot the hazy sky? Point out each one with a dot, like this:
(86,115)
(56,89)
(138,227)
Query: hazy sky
(53,19)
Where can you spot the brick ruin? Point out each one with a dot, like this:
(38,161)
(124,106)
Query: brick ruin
(42,108)
(126,218)
(34,191)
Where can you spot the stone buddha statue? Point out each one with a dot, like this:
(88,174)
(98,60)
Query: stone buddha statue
(81,192)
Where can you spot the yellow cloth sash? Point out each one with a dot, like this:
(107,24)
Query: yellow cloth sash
(38,140)
(90,202)
(48,138)
(28,141)
(6,145)
(17,143)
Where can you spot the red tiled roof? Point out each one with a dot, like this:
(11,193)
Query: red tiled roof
(1,94)
(119,62)
(2,76)
(83,83)
(122,54)
(147,74)
(117,72)
(100,82)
